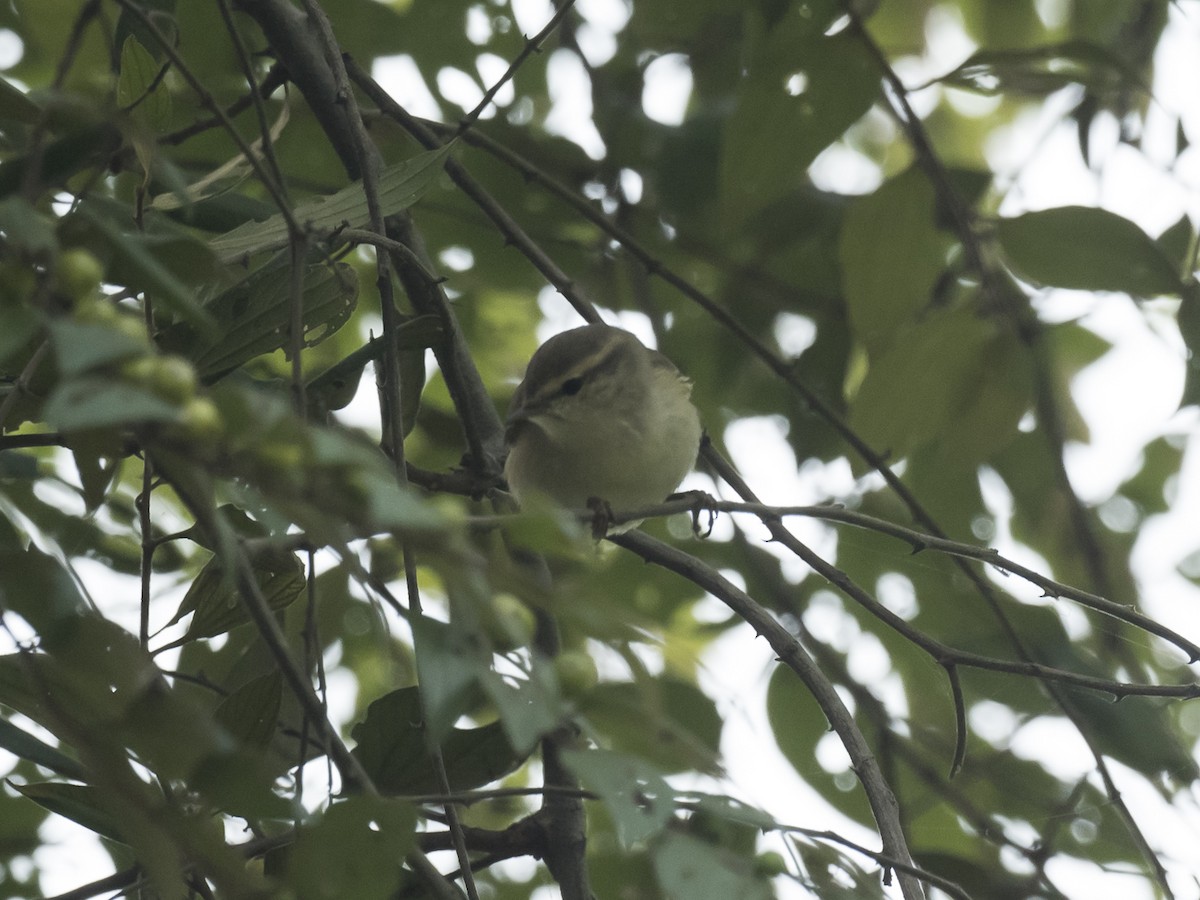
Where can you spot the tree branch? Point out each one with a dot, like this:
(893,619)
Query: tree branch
(791,653)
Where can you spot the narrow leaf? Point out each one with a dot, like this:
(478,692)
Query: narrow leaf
(76,802)
(400,186)
(636,794)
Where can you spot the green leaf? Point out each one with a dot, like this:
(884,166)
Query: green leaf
(255,316)
(27,229)
(800,93)
(94,402)
(217,604)
(1087,249)
(138,262)
(449,665)
(1038,71)
(76,802)
(23,744)
(1189,329)
(531,707)
(140,87)
(692,869)
(80,346)
(392,749)
(16,105)
(62,158)
(354,850)
(932,377)
(251,712)
(41,590)
(400,186)
(892,256)
(635,792)
(798,723)
(665,721)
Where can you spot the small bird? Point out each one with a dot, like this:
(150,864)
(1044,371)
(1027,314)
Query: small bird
(599,417)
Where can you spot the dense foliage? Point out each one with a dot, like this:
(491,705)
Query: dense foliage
(271,630)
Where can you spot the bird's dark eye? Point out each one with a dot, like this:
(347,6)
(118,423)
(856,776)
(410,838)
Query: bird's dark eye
(571,386)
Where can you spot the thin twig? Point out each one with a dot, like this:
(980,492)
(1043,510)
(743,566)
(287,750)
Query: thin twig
(532,45)
(791,653)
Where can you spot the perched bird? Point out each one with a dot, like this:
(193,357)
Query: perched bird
(599,417)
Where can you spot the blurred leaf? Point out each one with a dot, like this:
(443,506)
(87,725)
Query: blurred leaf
(80,346)
(798,724)
(932,375)
(449,666)
(691,869)
(392,749)
(664,721)
(353,850)
(1087,249)
(76,802)
(63,157)
(23,744)
(635,792)
(400,186)
(138,261)
(1038,71)
(529,707)
(1189,330)
(250,713)
(799,92)
(16,105)
(94,402)
(892,255)
(27,229)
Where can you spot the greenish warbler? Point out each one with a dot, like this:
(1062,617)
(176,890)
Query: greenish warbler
(600,416)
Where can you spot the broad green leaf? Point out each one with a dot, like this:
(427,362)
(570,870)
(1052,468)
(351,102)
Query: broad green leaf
(798,724)
(18,326)
(138,262)
(1189,329)
(251,712)
(95,402)
(892,256)
(27,229)
(216,602)
(668,722)
(353,850)
(255,316)
(692,869)
(80,346)
(1087,249)
(400,186)
(76,802)
(140,87)
(530,707)
(239,782)
(801,90)
(635,792)
(72,153)
(392,748)
(449,666)
(932,376)
(40,589)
